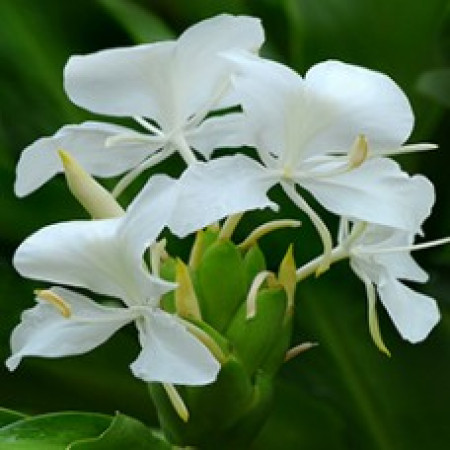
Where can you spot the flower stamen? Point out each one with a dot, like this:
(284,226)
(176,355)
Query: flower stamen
(253,292)
(177,402)
(58,302)
(266,228)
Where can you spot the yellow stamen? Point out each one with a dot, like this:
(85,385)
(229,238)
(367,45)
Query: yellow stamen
(374,326)
(207,340)
(359,152)
(177,402)
(230,225)
(58,302)
(266,228)
(253,291)
(298,349)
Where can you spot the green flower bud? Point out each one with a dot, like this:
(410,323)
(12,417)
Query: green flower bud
(254,338)
(167,271)
(221,283)
(254,263)
(213,409)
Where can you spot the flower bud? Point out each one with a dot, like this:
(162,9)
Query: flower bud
(254,338)
(95,199)
(222,284)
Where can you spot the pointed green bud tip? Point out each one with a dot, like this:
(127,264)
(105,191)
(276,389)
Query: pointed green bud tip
(287,276)
(186,302)
(95,199)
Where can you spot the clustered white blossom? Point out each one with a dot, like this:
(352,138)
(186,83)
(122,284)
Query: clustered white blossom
(330,133)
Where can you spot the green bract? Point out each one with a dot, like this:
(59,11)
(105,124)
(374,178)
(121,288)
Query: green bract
(228,412)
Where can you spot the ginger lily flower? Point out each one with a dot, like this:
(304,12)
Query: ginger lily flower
(105,256)
(380,257)
(325,133)
(169,88)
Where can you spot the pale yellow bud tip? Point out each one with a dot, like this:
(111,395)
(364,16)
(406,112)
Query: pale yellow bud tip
(97,201)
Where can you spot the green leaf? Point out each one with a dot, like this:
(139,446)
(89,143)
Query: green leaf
(52,431)
(8,416)
(123,433)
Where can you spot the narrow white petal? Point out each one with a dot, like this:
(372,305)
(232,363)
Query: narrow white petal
(86,143)
(221,187)
(413,314)
(170,354)
(44,331)
(378,192)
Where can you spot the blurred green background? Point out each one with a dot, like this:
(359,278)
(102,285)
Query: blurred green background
(343,394)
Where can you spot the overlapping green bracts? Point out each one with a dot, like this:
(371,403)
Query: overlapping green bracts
(229,412)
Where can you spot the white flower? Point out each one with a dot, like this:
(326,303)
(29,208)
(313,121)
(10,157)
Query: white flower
(106,257)
(167,87)
(325,133)
(380,257)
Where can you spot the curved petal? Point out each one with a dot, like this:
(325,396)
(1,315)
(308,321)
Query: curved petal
(399,264)
(44,331)
(377,192)
(161,80)
(170,354)
(130,81)
(221,187)
(413,314)
(89,254)
(270,94)
(86,142)
(325,112)
(219,132)
(359,101)
(148,214)
(197,63)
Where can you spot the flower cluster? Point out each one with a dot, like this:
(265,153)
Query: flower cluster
(329,133)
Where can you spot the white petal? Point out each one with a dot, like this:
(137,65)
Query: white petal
(131,81)
(323,113)
(399,264)
(86,142)
(149,213)
(171,354)
(413,314)
(269,93)
(161,80)
(360,101)
(44,331)
(377,192)
(219,132)
(221,187)
(200,74)
(88,254)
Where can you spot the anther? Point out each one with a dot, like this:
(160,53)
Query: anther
(58,302)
